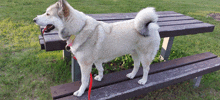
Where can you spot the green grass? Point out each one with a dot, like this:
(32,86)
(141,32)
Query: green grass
(26,72)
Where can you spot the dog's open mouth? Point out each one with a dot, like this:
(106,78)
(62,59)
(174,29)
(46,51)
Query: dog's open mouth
(49,27)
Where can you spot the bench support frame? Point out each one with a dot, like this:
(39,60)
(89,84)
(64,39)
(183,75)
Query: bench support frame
(67,55)
(166,48)
(75,70)
(197,81)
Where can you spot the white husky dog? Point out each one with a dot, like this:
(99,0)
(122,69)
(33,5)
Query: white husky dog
(97,42)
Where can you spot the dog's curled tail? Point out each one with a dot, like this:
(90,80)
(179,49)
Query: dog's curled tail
(143,19)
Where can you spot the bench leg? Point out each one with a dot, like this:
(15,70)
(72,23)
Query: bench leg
(67,55)
(197,81)
(166,48)
(75,70)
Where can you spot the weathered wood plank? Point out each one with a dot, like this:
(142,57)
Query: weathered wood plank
(40,37)
(53,42)
(126,16)
(170,15)
(164,19)
(69,88)
(131,88)
(41,42)
(177,30)
(170,22)
(178,22)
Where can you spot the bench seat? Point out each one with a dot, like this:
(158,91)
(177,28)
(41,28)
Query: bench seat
(117,86)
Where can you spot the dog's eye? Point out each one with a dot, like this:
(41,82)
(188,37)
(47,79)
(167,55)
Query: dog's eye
(48,14)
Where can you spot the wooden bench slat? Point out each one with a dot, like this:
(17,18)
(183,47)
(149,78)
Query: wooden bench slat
(69,88)
(131,88)
(159,20)
(171,22)
(41,42)
(179,22)
(51,45)
(125,16)
(40,37)
(53,42)
(170,15)
(165,12)
(177,30)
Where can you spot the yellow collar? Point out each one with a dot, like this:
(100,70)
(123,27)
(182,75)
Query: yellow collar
(71,39)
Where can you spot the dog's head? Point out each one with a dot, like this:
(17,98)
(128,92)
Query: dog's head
(54,17)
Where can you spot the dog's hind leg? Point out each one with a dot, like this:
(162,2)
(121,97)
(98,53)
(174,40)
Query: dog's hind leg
(146,67)
(100,71)
(146,60)
(136,65)
(85,73)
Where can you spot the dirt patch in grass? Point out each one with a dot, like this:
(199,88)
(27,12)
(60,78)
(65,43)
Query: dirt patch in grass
(216,16)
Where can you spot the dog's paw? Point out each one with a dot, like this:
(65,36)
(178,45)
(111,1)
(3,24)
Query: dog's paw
(130,75)
(98,77)
(78,93)
(142,81)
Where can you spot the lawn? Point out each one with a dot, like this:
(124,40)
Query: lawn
(26,72)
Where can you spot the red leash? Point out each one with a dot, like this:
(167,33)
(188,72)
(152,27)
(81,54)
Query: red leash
(90,84)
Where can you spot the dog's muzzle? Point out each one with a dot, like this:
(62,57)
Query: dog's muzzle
(48,28)
(35,20)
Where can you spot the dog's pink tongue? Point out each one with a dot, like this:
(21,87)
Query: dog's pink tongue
(70,44)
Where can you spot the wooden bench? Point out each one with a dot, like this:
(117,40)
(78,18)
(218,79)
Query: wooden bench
(161,74)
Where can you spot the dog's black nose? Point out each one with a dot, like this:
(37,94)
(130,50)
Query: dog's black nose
(35,19)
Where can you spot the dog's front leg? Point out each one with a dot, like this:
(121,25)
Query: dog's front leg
(85,72)
(136,65)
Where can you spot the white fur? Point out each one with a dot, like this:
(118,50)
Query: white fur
(140,21)
(97,42)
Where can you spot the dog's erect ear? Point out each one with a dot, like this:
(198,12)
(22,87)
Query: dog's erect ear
(64,10)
